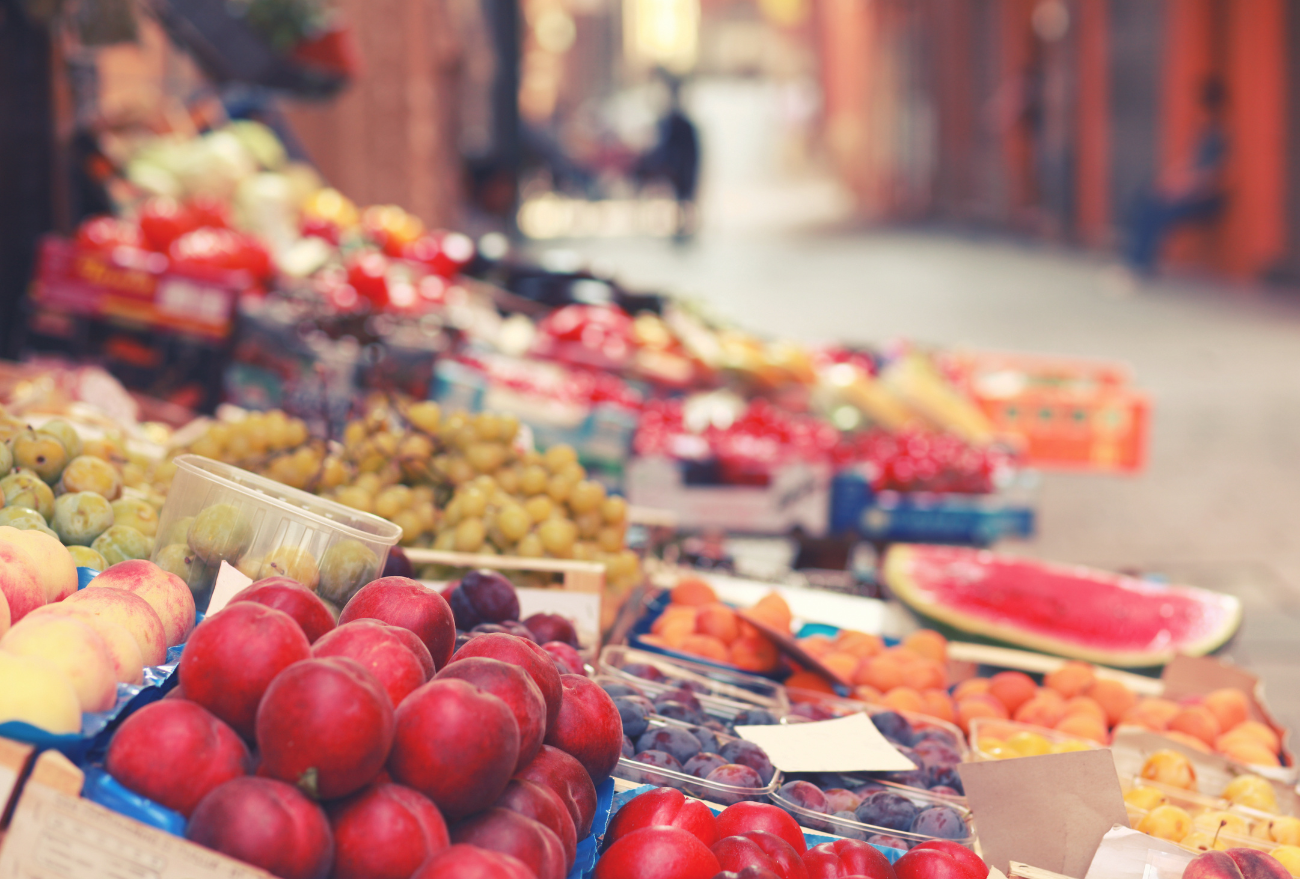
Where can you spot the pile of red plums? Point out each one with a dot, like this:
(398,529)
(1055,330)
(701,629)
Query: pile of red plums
(375,747)
(663,834)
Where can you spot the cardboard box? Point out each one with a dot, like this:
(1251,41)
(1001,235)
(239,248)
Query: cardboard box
(580,594)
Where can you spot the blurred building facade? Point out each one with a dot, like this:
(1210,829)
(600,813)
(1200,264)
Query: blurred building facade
(1053,117)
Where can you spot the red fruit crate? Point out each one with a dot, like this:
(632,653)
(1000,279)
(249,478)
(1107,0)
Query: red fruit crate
(1066,413)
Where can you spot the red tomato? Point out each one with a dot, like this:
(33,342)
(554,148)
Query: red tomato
(318,227)
(367,274)
(208,248)
(205,210)
(162,221)
(106,233)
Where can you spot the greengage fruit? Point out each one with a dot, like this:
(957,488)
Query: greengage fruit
(346,566)
(81,517)
(136,513)
(220,532)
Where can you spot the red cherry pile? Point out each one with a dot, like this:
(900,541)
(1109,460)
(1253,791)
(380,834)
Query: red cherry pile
(561,384)
(915,460)
(663,835)
(596,336)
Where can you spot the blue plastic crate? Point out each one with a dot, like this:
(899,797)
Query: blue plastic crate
(898,517)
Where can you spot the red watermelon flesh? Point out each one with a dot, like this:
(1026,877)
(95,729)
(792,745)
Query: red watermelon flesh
(1064,610)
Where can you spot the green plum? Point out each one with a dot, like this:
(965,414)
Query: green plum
(42,453)
(6,459)
(137,513)
(22,518)
(220,532)
(80,517)
(177,558)
(85,557)
(344,568)
(67,435)
(121,543)
(25,489)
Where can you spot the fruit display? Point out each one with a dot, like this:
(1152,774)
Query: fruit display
(1239,863)
(383,745)
(696,623)
(456,483)
(1108,619)
(661,827)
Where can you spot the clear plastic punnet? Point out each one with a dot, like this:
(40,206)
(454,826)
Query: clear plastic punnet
(216,512)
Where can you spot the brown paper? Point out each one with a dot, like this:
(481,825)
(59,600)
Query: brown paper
(1050,811)
(55,836)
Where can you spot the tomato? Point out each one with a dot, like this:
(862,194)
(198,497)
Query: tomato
(319,227)
(106,233)
(367,274)
(162,221)
(205,210)
(208,248)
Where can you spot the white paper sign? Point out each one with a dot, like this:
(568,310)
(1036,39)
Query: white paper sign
(230,582)
(845,744)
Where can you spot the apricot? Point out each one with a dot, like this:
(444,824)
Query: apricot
(1041,711)
(1113,697)
(1028,744)
(693,591)
(1012,689)
(884,672)
(675,631)
(773,610)
(1251,791)
(843,665)
(970,687)
(860,644)
(939,704)
(1248,751)
(674,612)
(1072,679)
(1185,739)
(924,674)
(1152,714)
(928,643)
(754,653)
(705,645)
(1289,857)
(807,680)
(1085,705)
(972,707)
(1084,726)
(1229,707)
(1145,798)
(1166,822)
(1196,721)
(718,620)
(1258,731)
(817,646)
(904,699)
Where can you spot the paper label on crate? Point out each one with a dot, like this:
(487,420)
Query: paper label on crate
(1051,811)
(845,744)
(230,582)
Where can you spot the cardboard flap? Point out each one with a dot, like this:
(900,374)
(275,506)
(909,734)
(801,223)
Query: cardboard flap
(1051,811)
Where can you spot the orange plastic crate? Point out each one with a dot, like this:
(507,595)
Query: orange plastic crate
(1066,413)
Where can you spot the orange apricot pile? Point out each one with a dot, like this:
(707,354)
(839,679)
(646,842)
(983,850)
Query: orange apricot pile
(1217,722)
(695,622)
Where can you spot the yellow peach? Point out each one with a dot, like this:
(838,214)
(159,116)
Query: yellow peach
(36,692)
(1229,707)
(58,572)
(1166,822)
(1171,768)
(166,593)
(128,664)
(1251,791)
(75,649)
(1288,856)
(1145,798)
(132,613)
(1214,821)
(20,581)
(1285,830)
(1029,744)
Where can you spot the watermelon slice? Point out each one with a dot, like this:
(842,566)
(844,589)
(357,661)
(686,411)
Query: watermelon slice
(1064,610)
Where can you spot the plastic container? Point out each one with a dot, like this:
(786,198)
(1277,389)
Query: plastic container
(265,529)
(714,792)
(723,693)
(987,733)
(834,706)
(853,829)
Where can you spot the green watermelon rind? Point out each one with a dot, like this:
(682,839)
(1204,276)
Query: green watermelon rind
(897,574)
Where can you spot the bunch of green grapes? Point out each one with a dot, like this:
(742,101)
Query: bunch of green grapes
(98,500)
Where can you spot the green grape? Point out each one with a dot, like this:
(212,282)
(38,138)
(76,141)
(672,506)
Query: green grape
(470,535)
(85,557)
(589,524)
(293,562)
(6,459)
(67,435)
(559,487)
(425,415)
(486,457)
(25,489)
(23,518)
(557,456)
(530,547)
(586,496)
(220,532)
(508,426)
(514,521)
(121,543)
(610,538)
(451,516)
(508,479)
(473,502)
(81,517)
(445,541)
(392,500)
(139,514)
(428,515)
(409,522)
(573,471)
(86,473)
(356,497)
(487,426)
(334,472)
(346,566)
(42,453)
(558,536)
(533,480)
(614,509)
(178,559)
(585,551)
(538,508)
(370,483)
(459,470)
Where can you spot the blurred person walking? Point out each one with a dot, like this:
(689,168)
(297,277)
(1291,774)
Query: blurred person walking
(1191,191)
(675,157)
